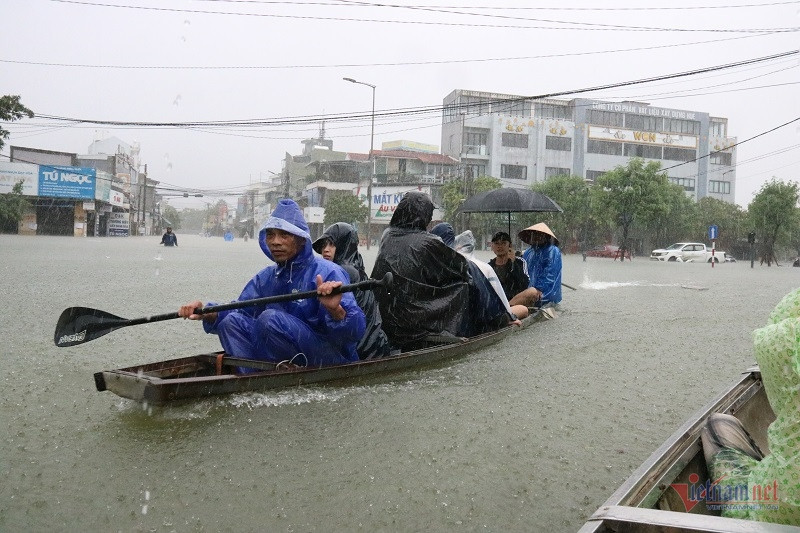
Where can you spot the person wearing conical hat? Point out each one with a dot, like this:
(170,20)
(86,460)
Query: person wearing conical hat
(544,262)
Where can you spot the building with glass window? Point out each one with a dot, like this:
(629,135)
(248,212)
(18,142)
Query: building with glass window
(522,141)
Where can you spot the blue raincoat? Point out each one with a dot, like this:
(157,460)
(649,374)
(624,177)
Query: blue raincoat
(282,331)
(544,271)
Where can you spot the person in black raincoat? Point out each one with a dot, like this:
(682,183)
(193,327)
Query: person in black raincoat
(343,238)
(431,289)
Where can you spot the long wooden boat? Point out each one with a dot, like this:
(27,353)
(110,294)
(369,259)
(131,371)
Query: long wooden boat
(213,374)
(649,500)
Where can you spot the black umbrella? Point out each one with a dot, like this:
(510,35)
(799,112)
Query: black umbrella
(509,200)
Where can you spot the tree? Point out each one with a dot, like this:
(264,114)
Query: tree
(12,207)
(170,213)
(572,194)
(455,192)
(344,207)
(10,110)
(773,214)
(731,221)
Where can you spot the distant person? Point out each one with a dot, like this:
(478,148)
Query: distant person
(169,238)
(431,280)
(512,272)
(445,231)
(492,299)
(312,332)
(544,262)
(339,243)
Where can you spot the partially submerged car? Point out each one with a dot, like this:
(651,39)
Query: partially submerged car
(607,250)
(687,252)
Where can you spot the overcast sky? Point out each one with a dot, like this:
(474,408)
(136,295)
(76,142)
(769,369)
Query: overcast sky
(177,61)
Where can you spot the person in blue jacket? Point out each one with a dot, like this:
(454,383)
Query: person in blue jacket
(544,262)
(169,238)
(312,332)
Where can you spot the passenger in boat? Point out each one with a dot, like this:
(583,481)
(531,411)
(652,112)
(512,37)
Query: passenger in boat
(544,262)
(339,243)
(771,484)
(312,332)
(489,297)
(169,238)
(512,272)
(431,280)
(445,231)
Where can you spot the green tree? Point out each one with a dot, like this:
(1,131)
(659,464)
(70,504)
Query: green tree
(10,110)
(731,221)
(345,207)
(573,226)
(454,193)
(638,192)
(12,207)
(170,213)
(192,219)
(773,214)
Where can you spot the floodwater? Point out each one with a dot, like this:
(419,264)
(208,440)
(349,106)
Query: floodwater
(532,434)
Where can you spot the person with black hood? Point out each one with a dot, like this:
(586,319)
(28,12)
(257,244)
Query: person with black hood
(311,332)
(431,290)
(339,243)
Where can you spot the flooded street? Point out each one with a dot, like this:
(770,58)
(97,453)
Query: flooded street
(532,434)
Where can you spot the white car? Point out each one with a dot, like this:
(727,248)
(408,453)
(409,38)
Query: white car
(686,252)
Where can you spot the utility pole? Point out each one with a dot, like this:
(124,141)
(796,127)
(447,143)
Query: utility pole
(371,159)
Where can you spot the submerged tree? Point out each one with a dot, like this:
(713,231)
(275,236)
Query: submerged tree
(12,208)
(345,207)
(773,214)
(10,110)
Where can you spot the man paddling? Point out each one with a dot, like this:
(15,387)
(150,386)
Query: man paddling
(312,332)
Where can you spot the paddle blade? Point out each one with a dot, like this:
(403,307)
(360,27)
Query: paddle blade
(77,325)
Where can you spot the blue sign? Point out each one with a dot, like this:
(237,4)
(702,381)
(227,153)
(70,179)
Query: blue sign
(713,232)
(67,182)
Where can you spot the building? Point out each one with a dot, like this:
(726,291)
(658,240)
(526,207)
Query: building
(523,141)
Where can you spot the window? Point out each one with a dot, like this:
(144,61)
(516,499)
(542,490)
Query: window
(477,170)
(679,154)
(677,125)
(648,151)
(563,112)
(475,142)
(720,158)
(603,147)
(515,140)
(686,183)
(604,118)
(563,144)
(718,128)
(642,122)
(549,172)
(592,175)
(721,187)
(515,108)
(513,172)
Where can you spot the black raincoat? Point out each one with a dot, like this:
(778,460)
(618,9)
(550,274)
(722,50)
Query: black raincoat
(431,281)
(374,343)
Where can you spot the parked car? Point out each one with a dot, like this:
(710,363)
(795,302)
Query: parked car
(687,252)
(607,250)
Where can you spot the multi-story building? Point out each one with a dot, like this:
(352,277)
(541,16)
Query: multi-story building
(523,141)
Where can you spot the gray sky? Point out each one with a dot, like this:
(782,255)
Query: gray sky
(217,60)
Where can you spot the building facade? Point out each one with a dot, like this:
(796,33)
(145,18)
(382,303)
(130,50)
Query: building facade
(523,141)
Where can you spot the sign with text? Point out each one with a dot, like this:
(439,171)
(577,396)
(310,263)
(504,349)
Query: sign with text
(66,182)
(118,224)
(642,137)
(713,232)
(385,199)
(13,173)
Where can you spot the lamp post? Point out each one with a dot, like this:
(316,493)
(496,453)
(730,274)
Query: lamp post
(371,160)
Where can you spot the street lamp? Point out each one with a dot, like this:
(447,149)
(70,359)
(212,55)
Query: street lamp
(371,160)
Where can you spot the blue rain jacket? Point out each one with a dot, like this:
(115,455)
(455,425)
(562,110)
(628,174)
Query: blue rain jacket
(281,331)
(544,271)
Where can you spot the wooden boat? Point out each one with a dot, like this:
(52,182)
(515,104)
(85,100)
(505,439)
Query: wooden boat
(648,502)
(213,374)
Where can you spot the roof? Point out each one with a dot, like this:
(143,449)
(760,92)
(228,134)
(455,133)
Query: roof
(422,156)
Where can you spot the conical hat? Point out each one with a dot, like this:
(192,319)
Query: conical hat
(526,235)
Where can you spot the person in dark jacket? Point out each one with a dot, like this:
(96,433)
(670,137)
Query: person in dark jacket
(431,287)
(445,231)
(339,243)
(169,238)
(311,332)
(512,272)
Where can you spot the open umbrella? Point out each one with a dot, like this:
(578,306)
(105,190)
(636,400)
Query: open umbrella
(509,200)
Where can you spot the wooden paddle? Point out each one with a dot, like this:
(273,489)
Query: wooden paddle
(77,325)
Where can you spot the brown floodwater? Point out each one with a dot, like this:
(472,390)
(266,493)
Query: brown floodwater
(532,434)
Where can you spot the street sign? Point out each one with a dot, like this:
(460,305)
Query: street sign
(712,232)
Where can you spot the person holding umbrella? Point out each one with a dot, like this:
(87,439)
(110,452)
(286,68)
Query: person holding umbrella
(544,262)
